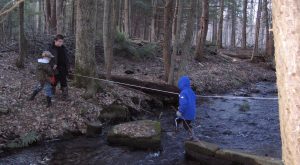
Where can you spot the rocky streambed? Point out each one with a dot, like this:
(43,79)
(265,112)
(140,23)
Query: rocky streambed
(246,125)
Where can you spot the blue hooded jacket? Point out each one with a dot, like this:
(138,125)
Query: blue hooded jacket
(187,99)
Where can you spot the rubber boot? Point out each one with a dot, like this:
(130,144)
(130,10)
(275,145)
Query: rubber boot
(65,94)
(193,137)
(49,103)
(34,93)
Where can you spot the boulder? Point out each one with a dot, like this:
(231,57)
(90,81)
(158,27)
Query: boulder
(93,129)
(246,159)
(200,147)
(115,113)
(142,134)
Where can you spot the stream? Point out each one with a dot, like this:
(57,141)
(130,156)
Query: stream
(248,125)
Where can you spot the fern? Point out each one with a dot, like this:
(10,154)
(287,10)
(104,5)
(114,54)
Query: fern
(24,141)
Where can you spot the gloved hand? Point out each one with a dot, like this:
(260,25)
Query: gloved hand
(178,114)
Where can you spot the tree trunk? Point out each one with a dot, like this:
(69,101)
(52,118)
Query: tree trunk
(187,43)
(47,9)
(215,31)
(233,24)
(244,28)
(53,17)
(203,30)
(174,23)
(266,16)
(220,30)
(85,44)
(168,18)
(126,18)
(257,28)
(176,41)
(286,21)
(153,21)
(59,16)
(22,40)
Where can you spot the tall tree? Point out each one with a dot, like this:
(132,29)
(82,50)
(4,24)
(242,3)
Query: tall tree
(287,34)
(233,23)
(85,44)
(202,31)
(126,18)
(168,15)
(257,28)
(59,16)
(22,40)
(244,28)
(153,21)
(220,30)
(109,21)
(178,17)
(266,18)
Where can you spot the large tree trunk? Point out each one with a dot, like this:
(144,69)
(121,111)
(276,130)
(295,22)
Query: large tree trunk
(257,28)
(220,30)
(244,28)
(59,16)
(126,18)
(22,40)
(203,30)
(108,34)
(47,12)
(176,41)
(153,21)
(53,17)
(168,18)
(286,21)
(85,44)
(233,24)
(266,16)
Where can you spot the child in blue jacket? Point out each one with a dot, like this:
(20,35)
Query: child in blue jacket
(187,106)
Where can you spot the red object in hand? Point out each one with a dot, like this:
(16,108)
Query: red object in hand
(52,80)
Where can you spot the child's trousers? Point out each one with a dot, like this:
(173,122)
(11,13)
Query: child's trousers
(47,88)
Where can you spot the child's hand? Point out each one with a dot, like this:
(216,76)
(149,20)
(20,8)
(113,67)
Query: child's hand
(178,114)
(54,67)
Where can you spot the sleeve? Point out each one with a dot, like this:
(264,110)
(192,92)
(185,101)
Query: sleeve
(54,60)
(183,102)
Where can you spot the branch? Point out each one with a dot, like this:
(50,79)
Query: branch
(12,8)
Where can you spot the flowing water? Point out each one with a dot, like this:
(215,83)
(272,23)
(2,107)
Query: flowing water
(248,125)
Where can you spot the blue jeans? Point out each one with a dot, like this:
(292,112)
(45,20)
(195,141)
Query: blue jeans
(47,88)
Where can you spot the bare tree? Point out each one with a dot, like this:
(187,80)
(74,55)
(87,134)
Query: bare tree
(257,28)
(126,18)
(220,30)
(59,16)
(202,31)
(22,40)
(153,21)
(244,28)
(168,15)
(233,23)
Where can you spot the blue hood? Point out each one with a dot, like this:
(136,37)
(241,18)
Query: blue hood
(184,82)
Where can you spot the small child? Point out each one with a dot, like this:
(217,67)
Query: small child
(187,106)
(44,74)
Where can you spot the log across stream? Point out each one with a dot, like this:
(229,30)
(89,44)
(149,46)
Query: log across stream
(251,126)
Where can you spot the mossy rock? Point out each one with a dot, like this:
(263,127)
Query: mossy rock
(246,159)
(115,113)
(93,129)
(142,134)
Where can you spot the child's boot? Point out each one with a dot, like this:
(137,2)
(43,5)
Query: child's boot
(49,103)
(32,96)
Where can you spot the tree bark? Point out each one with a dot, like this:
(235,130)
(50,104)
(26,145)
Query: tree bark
(286,21)
(266,16)
(257,28)
(244,28)
(220,29)
(153,21)
(168,18)
(126,18)
(53,17)
(85,44)
(22,40)
(233,24)
(59,16)
(176,41)
(202,31)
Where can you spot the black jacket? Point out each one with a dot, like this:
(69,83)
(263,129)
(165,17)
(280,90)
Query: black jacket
(61,58)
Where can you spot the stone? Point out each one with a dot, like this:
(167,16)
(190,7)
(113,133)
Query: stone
(142,134)
(200,147)
(246,159)
(115,113)
(93,129)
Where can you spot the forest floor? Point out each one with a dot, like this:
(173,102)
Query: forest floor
(18,116)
